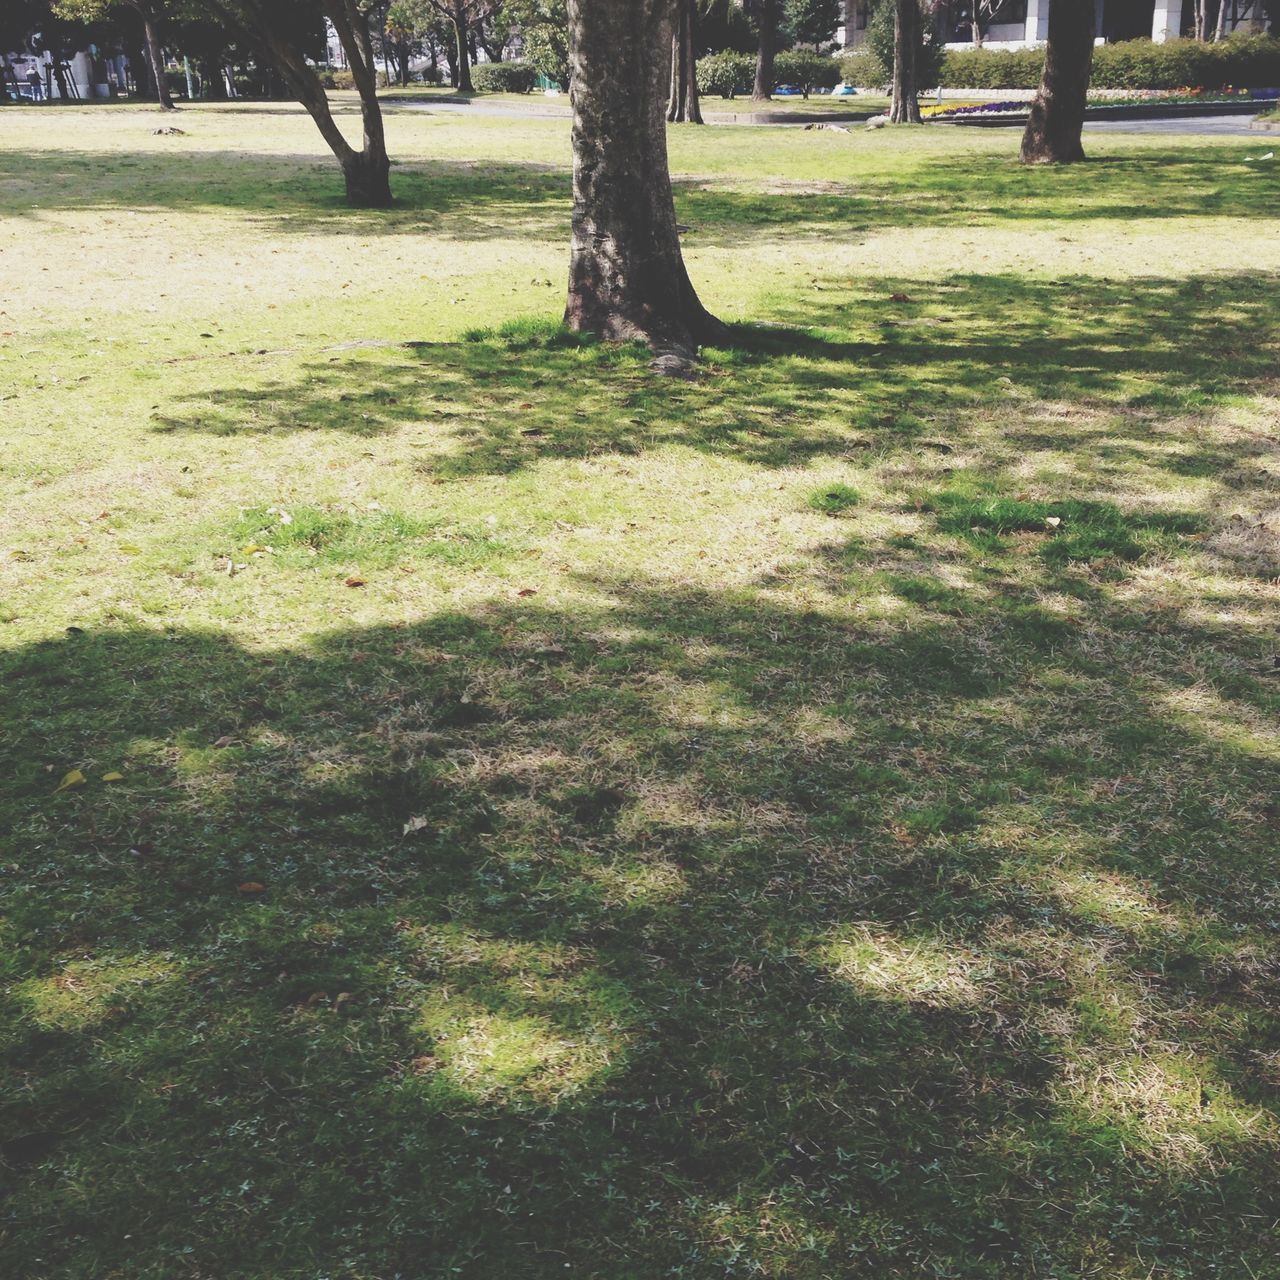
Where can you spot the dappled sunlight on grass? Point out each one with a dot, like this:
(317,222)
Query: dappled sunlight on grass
(815,820)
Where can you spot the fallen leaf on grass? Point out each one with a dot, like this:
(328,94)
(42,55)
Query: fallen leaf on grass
(73,779)
(1053,521)
(113,776)
(251,887)
(525,592)
(900,297)
(414,824)
(355,582)
(225,741)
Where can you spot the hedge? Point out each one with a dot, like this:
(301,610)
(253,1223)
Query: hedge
(726,74)
(503,77)
(805,71)
(862,69)
(1243,62)
(729,74)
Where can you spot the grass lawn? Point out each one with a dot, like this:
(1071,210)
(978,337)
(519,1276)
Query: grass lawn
(471,807)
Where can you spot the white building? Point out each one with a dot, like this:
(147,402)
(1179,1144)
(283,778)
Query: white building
(1019,23)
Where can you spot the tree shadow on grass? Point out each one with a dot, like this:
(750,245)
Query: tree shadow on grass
(881,365)
(486,199)
(667,932)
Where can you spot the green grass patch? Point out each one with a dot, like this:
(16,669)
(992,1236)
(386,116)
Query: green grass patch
(557,841)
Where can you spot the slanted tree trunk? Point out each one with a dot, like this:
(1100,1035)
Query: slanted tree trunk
(367,172)
(977,24)
(684,106)
(1057,115)
(904,105)
(155,54)
(627,278)
(768,11)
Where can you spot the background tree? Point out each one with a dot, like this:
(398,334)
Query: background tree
(149,13)
(767,17)
(684,106)
(1057,115)
(627,278)
(287,33)
(463,15)
(904,104)
(924,66)
(544,28)
(812,21)
(724,25)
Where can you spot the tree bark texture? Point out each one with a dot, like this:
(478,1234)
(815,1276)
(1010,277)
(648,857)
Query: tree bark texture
(904,105)
(1057,115)
(769,13)
(684,106)
(627,278)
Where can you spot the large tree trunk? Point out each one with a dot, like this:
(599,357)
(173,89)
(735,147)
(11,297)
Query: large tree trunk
(1057,114)
(768,50)
(627,278)
(904,105)
(684,106)
(155,56)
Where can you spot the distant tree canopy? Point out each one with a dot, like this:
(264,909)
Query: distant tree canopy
(811,21)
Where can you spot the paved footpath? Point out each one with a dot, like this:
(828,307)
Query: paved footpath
(1222,126)
(1228,126)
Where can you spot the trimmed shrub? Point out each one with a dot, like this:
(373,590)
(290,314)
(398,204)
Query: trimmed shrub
(992,69)
(806,71)
(1242,61)
(726,74)
(862,70)
(503,77)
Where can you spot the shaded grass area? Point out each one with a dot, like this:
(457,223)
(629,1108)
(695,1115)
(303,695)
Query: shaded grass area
(530,817)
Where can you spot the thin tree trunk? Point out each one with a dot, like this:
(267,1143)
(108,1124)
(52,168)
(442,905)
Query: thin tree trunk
(977,24)
(904,105)
(465,84)
(768,51)
(685,107)
(155,57)
(627,278)
(60,75)
(1057,114)
(1221,29)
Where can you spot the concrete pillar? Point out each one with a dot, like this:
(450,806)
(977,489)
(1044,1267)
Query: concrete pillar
(1166,22)
(1038,21)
